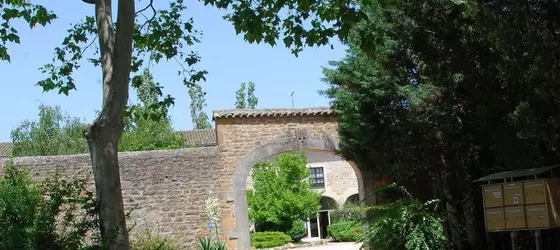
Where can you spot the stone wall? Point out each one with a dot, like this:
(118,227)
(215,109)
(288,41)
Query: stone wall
(165,190)
(340,180)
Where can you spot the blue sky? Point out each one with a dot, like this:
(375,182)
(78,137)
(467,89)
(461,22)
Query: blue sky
(228,58)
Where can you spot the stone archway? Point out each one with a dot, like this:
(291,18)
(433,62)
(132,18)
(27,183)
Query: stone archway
(353,199)
(300,143)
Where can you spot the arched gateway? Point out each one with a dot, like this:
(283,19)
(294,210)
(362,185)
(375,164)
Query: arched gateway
(166,189)
(259,134)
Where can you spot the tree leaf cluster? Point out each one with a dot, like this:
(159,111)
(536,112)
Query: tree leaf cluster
(52,214)
(245,96)
(447,92)
(13,10)
(281,194)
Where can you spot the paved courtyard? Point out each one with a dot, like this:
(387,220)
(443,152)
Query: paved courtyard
(334,246)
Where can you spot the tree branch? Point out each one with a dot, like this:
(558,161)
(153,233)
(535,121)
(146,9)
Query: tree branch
(89,45)
(150,5)
(106,35)
(117,94)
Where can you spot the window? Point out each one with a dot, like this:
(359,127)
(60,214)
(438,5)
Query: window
(318,177)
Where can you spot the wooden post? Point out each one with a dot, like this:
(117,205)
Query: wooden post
(538,240)
(513,235)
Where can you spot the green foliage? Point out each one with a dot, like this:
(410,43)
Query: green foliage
(438,90)
(147,240)
(252,100)
(209,244)
(144,133)
(59,134)
(282,193)
(14,10)
(305,23)
(346,231)
(246,100)
(158,34)
(149,127)
(54,133)
(298,231)
(404,223)
(348,212)
(240,97)
(269,239)
(198,102)
(54,214)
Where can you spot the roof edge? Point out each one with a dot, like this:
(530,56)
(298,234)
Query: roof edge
(237,113)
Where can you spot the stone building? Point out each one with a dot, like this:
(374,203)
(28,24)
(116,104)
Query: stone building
(336,180)
(166,190)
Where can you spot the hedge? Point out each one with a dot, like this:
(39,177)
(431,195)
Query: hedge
(269,239)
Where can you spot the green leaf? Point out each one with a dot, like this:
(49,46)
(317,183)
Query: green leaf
(288,41)
(4,53)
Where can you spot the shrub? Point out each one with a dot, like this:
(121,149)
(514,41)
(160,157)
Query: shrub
(269,239)
(405,223)
(346,231)
(348,212)
(54,214)
(147,240)
(298,231)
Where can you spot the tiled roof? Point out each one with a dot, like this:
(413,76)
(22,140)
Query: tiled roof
(195,138)
(5,149)
(271,112)
(201,137)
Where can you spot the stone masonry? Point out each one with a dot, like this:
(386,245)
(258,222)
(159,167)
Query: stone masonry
(166,189)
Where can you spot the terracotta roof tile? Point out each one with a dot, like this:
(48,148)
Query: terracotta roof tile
(201,137)
(5,149)
(232,113)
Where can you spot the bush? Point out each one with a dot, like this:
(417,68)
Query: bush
(147,240)
(55,214)
(349,212)
(298,231)
(269,239)
(405,223)
(346,231)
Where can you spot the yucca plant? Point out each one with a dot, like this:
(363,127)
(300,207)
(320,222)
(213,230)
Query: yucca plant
(205,244)
(220,245)
(209,244)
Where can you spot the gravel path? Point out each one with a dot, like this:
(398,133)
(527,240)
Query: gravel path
(334,246)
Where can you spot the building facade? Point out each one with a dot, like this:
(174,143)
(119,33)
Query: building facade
(336,180)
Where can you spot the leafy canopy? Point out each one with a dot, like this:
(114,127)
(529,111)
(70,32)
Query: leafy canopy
(199,118)
(450,91)
(246,99)
(13,10)
(55,133)
(282,193)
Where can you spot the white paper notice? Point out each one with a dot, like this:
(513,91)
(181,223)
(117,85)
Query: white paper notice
(497,194)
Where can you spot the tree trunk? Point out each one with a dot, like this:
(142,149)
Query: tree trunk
(103,147)
(104,133)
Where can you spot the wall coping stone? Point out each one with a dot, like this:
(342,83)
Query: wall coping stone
(204,152)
